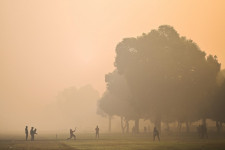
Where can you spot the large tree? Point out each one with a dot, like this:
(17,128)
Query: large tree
(168,75)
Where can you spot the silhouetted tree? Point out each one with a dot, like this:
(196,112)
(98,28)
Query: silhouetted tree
(168,76)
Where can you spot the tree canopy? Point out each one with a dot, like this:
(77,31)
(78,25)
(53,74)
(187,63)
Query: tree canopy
(168,76)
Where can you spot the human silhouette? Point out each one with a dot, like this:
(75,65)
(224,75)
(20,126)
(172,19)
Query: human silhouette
(72,135)
(155,133)
(32,134)
(35,131)
(97,132)
(26,132)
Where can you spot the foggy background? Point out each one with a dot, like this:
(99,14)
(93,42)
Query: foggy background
(53,52)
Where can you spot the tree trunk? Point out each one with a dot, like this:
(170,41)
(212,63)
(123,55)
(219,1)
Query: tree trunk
(204,122)
(158,125)
(204,128)
(221,126)
(217,126)
(187,127)
(127,125)
(122,125)
(167,127)
(137,126)
(110,118)
(179,126)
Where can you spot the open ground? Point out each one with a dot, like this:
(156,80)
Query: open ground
(115,142)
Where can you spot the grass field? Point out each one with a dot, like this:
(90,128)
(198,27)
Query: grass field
(114,142)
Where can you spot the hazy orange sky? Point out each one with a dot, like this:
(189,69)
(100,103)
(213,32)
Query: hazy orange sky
(49,45)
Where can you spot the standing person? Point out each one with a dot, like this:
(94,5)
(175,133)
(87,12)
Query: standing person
(32,133)
(35,132)
(72,135)
(26,132)
(155,133)
(97,132)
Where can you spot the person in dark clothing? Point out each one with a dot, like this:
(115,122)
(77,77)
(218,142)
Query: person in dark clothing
(32,133)
(97,132)
(35,131)
(155,133)
(72,135)
(26,132)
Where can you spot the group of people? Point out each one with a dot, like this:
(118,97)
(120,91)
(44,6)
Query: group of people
(202,131)
(33,131)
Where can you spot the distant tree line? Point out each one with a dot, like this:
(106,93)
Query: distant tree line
(163,77)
